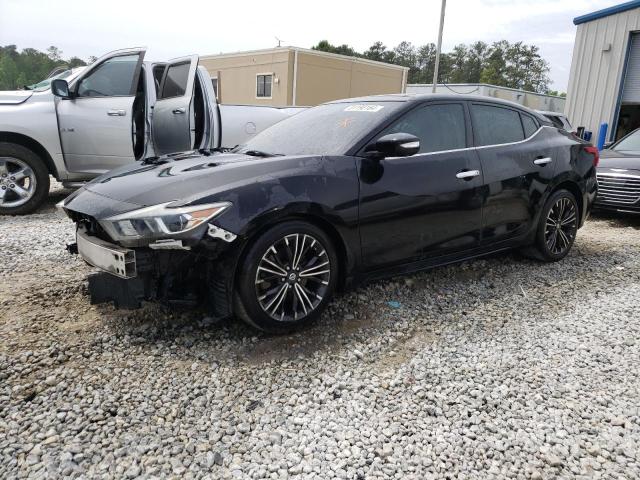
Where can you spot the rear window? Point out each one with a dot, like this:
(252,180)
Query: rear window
(556,121)
(175,83)
(529,124)
(495,125)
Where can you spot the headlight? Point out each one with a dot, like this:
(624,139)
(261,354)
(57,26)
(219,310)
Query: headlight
(160,221)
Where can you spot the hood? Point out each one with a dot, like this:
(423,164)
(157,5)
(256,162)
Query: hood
(188,177)
(14,97)
(619,160)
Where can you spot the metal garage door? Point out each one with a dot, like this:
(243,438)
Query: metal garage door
(631,91)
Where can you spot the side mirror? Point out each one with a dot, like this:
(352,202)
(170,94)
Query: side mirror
(395,145)
(60,88)
(608,145)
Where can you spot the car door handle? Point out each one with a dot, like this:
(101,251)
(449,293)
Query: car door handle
(542,161)
(116,113)
(467,174)
(179,111)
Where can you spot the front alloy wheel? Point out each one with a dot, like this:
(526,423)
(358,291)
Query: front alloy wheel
(286,278)
(292,277)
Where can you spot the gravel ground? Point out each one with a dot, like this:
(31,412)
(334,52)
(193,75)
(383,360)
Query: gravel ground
(496,368)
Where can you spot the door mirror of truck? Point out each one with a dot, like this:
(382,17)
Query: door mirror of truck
(60,88)
(394,145)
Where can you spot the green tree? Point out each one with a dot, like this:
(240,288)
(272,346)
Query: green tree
(74,62)
(378,52)
(514,65)
(325,46)
(54,53)
(8,73)
(30,66)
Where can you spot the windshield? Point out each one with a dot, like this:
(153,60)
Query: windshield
(44,84)
(630,143)
(329,129)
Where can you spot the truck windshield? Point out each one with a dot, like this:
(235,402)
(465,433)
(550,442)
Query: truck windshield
(329,129)
(44,84)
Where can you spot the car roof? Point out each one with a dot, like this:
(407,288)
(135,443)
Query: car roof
(420,97)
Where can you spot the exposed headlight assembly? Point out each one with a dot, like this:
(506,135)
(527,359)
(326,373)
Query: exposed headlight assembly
(160,221)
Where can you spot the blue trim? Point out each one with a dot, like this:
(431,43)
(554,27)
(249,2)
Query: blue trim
(605,12)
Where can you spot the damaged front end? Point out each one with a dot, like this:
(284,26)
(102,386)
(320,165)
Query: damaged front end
(195,269)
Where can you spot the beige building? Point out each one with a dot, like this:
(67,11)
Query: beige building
(291,76)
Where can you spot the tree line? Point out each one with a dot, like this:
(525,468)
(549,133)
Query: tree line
(21,68)
(513,65)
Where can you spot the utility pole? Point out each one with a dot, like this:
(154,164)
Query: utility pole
(435,68)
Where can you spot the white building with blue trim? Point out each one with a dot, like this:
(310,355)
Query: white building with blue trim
(604,82)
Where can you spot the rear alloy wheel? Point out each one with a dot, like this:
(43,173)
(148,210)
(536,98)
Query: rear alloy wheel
(287,278)
(557,229)
(561,226)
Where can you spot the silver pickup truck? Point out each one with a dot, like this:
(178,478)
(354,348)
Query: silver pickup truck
(117,110)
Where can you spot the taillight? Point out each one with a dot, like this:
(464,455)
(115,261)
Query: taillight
(595,152)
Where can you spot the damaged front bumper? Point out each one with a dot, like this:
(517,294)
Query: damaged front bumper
(169,274)
(106,256)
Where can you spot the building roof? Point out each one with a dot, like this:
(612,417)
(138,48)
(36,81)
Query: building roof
(476,86)
(605,12)
(305,50)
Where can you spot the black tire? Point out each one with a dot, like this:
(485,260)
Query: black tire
(256,289)
(553,243)
(40,175)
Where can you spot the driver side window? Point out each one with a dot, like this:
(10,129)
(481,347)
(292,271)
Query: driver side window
(439,127)
(112,78)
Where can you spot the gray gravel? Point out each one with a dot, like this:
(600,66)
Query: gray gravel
(496,368)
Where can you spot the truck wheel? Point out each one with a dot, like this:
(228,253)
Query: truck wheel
(24,180)
(287,278)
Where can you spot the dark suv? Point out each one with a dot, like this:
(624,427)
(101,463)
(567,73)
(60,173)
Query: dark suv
(341,193)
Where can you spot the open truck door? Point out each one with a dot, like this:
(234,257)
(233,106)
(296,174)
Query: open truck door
(97,119)
(177,111)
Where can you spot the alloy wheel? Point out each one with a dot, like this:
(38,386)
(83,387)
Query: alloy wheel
(292,277)
(17,182)
(561,226)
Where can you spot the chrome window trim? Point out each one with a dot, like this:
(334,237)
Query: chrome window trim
(479,147)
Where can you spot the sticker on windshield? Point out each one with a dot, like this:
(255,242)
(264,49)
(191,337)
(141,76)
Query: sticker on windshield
(364,108)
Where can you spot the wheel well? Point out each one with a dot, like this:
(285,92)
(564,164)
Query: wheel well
(32,145)
(325,226)
(574,189)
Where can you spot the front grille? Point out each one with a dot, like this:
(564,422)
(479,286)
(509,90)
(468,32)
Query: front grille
(618,189)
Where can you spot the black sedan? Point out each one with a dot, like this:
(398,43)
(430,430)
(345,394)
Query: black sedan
(342,193)
(619,175)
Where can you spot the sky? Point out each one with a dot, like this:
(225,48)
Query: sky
(177,28)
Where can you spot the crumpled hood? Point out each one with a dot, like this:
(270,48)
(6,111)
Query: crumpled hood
(621,160)
(14,97)
(190,177)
